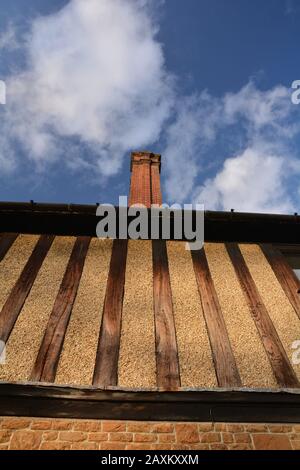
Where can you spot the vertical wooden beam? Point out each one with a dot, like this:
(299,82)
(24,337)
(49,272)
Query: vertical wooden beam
(279,361)
(45,366)
(284,273)
(224,361)
(21,289)
(167,365)
(106,366)
(6,241)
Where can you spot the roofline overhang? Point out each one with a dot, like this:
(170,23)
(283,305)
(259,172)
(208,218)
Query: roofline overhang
(79,219)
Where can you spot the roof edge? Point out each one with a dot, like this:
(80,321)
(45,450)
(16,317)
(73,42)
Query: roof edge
(81,219)
(33,206)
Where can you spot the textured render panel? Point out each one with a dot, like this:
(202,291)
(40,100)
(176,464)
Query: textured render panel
(252,361)
(195,361)
(282,314)
(78,355)
(137,353)
(26,337)
(13,263)
(137,349)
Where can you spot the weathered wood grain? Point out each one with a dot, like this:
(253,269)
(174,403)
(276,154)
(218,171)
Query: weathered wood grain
(20,291)
(44,369)
(224,361)
(279,361)
(6,241)
(106,366)
(284,273)
(167,365)
(282,406)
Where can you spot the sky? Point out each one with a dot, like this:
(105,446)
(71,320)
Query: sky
(206,83)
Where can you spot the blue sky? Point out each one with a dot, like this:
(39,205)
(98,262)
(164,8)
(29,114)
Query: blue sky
(207,83)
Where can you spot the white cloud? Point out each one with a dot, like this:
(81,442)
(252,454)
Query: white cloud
(95,73)
(258,108)
(254,180)
(7,159)
(8,38)
(187,138)
(268,113)
(96,87)
(259,125)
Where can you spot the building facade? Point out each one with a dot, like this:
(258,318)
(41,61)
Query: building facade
(143,344)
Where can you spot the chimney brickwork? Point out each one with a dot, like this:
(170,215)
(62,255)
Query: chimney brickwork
(145,179)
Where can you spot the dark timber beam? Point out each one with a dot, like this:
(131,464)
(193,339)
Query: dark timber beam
(106,367)
(285,275)
(281,366)
(6,241)
(270,406)
(81,220)
(167,364)
(224,361)
(46,363)
(15,301)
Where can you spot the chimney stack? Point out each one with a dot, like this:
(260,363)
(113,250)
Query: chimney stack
(145,179)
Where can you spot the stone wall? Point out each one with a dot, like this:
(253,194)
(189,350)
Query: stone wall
(65,434)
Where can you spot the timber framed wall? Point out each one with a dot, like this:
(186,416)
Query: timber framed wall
(201,350)
(146,330)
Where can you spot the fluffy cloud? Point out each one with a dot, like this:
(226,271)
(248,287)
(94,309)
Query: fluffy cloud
(258,127)
(95,85)
(195,123)
(256,179)
(8,38)
(259,109)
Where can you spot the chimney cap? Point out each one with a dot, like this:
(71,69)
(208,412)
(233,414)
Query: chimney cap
(139,157)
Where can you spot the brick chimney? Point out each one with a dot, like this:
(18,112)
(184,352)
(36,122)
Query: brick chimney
(145,179)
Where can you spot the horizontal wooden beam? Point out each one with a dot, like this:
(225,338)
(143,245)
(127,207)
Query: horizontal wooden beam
(79,220)
(184,405)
